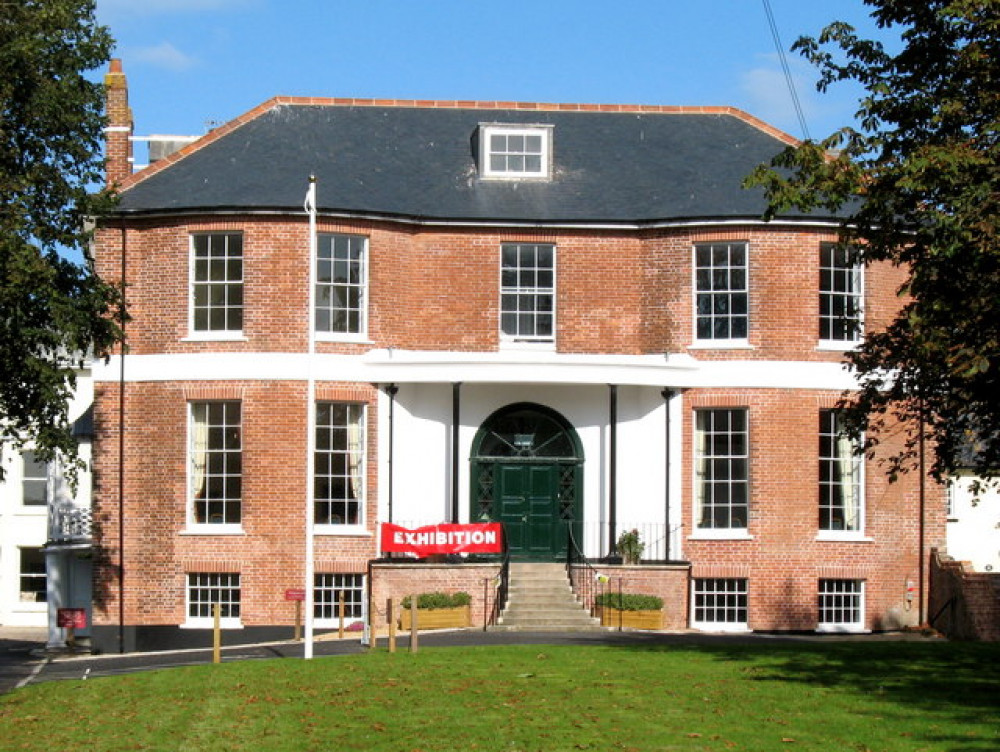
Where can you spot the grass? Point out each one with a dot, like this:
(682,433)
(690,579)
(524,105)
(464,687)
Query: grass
(847,696)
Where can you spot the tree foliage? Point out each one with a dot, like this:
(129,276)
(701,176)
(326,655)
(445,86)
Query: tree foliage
(919,184)
(53,311)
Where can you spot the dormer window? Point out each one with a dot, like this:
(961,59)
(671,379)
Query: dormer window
(515,151)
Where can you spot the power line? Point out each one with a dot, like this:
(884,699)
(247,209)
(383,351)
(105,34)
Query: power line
(786,69)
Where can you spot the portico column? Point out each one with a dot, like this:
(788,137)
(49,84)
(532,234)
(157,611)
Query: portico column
(612,468)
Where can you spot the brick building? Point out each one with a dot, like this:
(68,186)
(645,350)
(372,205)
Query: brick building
(548,315)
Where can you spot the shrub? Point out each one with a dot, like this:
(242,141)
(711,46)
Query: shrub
(439,600)
(629,601)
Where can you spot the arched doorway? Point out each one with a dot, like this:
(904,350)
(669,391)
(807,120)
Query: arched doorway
(527,472)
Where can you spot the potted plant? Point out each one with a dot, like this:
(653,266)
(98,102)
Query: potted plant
(630,547)
(438,610)
(632,610)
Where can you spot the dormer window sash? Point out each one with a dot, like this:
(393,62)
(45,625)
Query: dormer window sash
(515,152)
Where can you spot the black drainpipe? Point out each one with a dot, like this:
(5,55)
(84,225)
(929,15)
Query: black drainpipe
(121,459)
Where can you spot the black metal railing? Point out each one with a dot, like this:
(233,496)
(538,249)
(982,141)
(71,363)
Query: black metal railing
(501,587)
(583,578)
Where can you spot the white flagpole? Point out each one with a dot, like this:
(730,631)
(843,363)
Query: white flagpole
(310,207)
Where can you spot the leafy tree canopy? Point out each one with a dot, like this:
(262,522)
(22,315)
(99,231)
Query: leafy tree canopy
(919,183)
(53,312)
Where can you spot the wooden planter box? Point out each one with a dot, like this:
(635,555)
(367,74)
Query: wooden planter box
(437,618)
(632,619)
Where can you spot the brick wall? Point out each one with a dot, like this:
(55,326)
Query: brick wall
(397,581)
(670,582)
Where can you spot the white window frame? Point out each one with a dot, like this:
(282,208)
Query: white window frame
(326,604)
(213,582)
(704,473)
(700,290)
(834,598)
(830,478)
(31,480)
(200,470)
(850,276)
(327,240)
(535,293)
(356,468)
(195,333)
(23,577)
(486,133)
(723,590)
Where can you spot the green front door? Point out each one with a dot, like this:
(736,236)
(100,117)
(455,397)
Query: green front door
(528,496)
(527,473)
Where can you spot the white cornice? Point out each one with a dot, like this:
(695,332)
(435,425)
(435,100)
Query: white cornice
(384,366)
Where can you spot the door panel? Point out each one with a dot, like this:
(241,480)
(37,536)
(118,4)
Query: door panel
(528,505)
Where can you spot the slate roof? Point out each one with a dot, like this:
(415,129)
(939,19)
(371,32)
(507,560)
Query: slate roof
(417,162)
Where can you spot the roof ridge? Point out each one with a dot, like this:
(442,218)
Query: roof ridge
(467,104)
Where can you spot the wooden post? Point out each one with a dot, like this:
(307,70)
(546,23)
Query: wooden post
(413,623)
(391,613)
(341,633)
(217,633)
(298,621)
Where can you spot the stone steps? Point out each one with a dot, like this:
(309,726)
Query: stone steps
(539,597)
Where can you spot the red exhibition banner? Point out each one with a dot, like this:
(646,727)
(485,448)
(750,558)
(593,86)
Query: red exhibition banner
(483,538)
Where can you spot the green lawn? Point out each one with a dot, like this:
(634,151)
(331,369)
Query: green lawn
(828,696)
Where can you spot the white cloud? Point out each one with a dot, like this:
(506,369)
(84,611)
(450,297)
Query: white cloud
(766,89)
(163,55)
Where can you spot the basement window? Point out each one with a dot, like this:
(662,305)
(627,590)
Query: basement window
(515,151)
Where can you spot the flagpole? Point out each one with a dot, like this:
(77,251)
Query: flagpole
(310,207)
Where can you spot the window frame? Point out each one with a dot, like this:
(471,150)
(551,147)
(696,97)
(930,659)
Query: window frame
(200,621)
(827,466)
(733,587)
(208,333)
(25,577)
(833,602)
(851,275)
(535,293)
(486,133)
(728,293)
(325,587)
(34,480)
(362,286)
(706,473)
(224,453)
(360,476)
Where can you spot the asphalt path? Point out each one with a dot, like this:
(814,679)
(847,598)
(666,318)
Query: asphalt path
(24,662)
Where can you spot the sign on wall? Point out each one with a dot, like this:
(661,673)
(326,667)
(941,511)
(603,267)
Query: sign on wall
(484,538)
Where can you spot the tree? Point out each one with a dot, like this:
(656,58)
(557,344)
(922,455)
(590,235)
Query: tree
(918,183)
(53,311)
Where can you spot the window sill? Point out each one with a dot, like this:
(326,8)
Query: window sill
(721,344)
(513,344)
(354,339)
(210,624)
(343,530)
(213,530)
(838,345)
(842,629)
(721,534)
(716,627)
(830,536)
(220,337)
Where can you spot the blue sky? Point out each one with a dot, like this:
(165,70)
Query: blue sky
(192,64)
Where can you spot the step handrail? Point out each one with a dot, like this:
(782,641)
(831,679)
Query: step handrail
(583,588)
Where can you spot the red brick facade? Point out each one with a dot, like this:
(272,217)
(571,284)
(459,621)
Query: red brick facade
(622,292)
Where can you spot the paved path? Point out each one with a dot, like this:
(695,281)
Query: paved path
(23,662)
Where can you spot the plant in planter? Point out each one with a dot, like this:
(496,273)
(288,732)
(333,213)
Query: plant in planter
(630,547)
(632,610)
(438,610)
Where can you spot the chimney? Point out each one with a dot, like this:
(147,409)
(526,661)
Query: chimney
(118,131)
